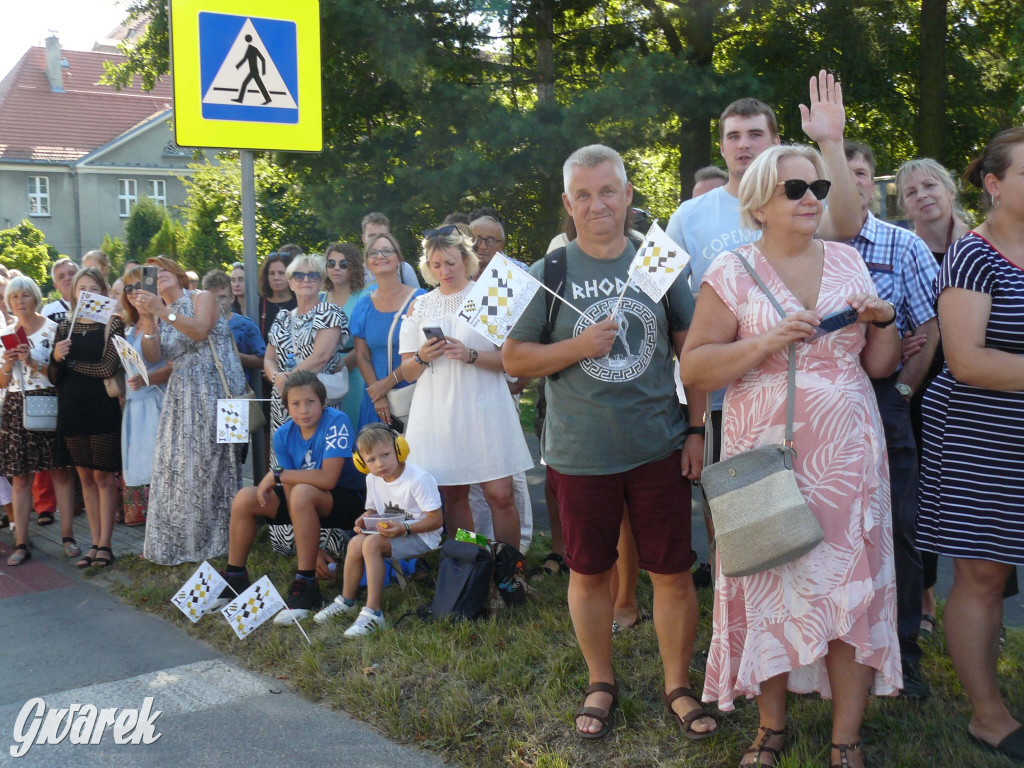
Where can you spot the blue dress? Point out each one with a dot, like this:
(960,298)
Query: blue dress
(140,421)
(372,326)
(352,402)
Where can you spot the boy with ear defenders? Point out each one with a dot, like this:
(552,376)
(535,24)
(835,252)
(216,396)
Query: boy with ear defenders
(392,486)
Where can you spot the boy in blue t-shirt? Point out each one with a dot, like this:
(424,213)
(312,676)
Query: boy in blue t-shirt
(251,347)
(393,487)
(309,489)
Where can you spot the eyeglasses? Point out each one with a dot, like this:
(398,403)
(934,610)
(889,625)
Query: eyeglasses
(440,232)
(797,188)
(490,242)
(300,277)
(342,264)
(132,288)
(381,254)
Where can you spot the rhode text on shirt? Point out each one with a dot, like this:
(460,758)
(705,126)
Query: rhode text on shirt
(592,289)
(634,344)
(729,241)
(336,437)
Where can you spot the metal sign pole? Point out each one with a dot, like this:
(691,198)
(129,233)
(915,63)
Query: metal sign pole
(246,159)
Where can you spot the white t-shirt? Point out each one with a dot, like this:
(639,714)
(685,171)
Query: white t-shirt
(56,310)
(413,493)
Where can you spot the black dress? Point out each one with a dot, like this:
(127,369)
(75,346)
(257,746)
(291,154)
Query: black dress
(88,419)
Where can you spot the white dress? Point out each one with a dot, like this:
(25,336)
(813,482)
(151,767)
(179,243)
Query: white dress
(463,427)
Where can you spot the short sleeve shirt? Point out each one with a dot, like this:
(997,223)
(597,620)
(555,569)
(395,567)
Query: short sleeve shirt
(333,439)
(293,336)
(247,335)
(413,493)
(620,411)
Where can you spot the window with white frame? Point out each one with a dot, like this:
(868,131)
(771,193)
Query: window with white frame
(38,195)
(127,195)
(158,192)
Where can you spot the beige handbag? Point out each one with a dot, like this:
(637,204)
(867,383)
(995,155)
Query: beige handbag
(115,384)
(761,518)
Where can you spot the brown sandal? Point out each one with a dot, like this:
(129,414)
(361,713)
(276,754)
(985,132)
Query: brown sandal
(761,746)
(844,757)
(686,721)
(604,717)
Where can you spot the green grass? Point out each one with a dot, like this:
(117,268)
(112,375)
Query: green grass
(501,691)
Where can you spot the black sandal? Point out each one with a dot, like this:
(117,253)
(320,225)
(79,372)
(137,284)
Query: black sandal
(44,518)
(1012,746)
(86,561)
(20,555)
(685,722)
(604,717)
(103,562)
(844,757)
(761,746)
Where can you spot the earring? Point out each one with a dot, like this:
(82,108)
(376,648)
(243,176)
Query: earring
(995,202)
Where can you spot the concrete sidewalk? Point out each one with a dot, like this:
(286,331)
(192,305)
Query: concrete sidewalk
(68,640)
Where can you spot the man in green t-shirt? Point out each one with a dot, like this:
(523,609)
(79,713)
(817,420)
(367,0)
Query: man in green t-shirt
(614,436)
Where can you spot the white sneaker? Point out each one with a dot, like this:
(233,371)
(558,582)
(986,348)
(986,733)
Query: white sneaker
(286,618)
(339,606)
(366,622)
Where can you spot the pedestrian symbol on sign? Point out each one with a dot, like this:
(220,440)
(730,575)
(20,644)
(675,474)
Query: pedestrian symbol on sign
(255,78)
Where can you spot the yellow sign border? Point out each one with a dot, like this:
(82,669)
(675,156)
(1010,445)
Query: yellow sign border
(191,129)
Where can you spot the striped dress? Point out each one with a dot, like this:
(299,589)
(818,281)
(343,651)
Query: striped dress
(972,476)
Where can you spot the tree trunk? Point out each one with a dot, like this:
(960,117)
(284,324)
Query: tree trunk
(932,106)
(694,140)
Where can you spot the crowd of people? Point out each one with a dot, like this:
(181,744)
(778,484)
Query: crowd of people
(904,446)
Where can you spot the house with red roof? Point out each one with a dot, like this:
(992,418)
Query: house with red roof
(76,156)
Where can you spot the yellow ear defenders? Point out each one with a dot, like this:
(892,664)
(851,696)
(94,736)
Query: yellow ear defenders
(400,443)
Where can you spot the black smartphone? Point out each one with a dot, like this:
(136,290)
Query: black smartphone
(835,321)
(397,424)
(149,278)
(434,332)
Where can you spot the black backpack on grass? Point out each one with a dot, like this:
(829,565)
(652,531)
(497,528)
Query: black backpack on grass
(464,577)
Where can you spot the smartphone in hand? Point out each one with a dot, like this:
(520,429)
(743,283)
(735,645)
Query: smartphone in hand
(149,279)
(835,321)
(434,332)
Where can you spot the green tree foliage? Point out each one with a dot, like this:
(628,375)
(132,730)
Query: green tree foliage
(115,249)
(166,240)
(23,247)
(146,219)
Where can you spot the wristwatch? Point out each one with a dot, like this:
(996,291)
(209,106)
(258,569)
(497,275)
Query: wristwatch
(473,355)
(888,322)
(904,389)
(171,318)
(277,474)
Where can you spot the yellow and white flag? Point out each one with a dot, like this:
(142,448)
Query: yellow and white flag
(499,298)
(251,608)
(657,263)
(203,587)
(233,421)
(131,360)
(95,306)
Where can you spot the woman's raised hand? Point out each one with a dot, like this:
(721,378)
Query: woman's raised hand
(61,349)
(791,329)
(432,350)
(871,309)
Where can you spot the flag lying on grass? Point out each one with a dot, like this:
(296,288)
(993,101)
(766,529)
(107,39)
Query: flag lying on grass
(202,588)
(657,263)
(499,298)
(254,606)
(233,421)
(95,306)
(131,360)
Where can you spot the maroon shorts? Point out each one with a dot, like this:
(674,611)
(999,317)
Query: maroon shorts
(658,498)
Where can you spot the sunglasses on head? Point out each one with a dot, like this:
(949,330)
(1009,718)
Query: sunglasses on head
(341,264)
(797,188)
(132,288)
(440,232)
(300,277)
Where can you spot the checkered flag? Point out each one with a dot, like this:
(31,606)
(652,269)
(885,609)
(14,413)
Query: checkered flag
(232,421)
(498,299)
(657,264)
(94,306)
(251,608)
(203,587)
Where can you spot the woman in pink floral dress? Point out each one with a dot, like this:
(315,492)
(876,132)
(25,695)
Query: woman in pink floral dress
(825,622)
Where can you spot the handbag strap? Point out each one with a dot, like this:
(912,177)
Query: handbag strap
(216,361)
(394,322)
(709,439)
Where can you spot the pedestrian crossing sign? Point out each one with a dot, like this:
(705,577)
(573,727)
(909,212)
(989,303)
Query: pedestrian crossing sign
(247,74)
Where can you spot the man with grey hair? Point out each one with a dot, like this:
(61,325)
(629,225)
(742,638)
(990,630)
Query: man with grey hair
(62,273)
(614,431)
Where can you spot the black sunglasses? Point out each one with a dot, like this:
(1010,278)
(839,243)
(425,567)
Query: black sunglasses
(132,288)
(343,264)
(441,232)
(797,188)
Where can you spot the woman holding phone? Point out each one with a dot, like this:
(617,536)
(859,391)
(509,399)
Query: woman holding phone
(23,452)
(463,420)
